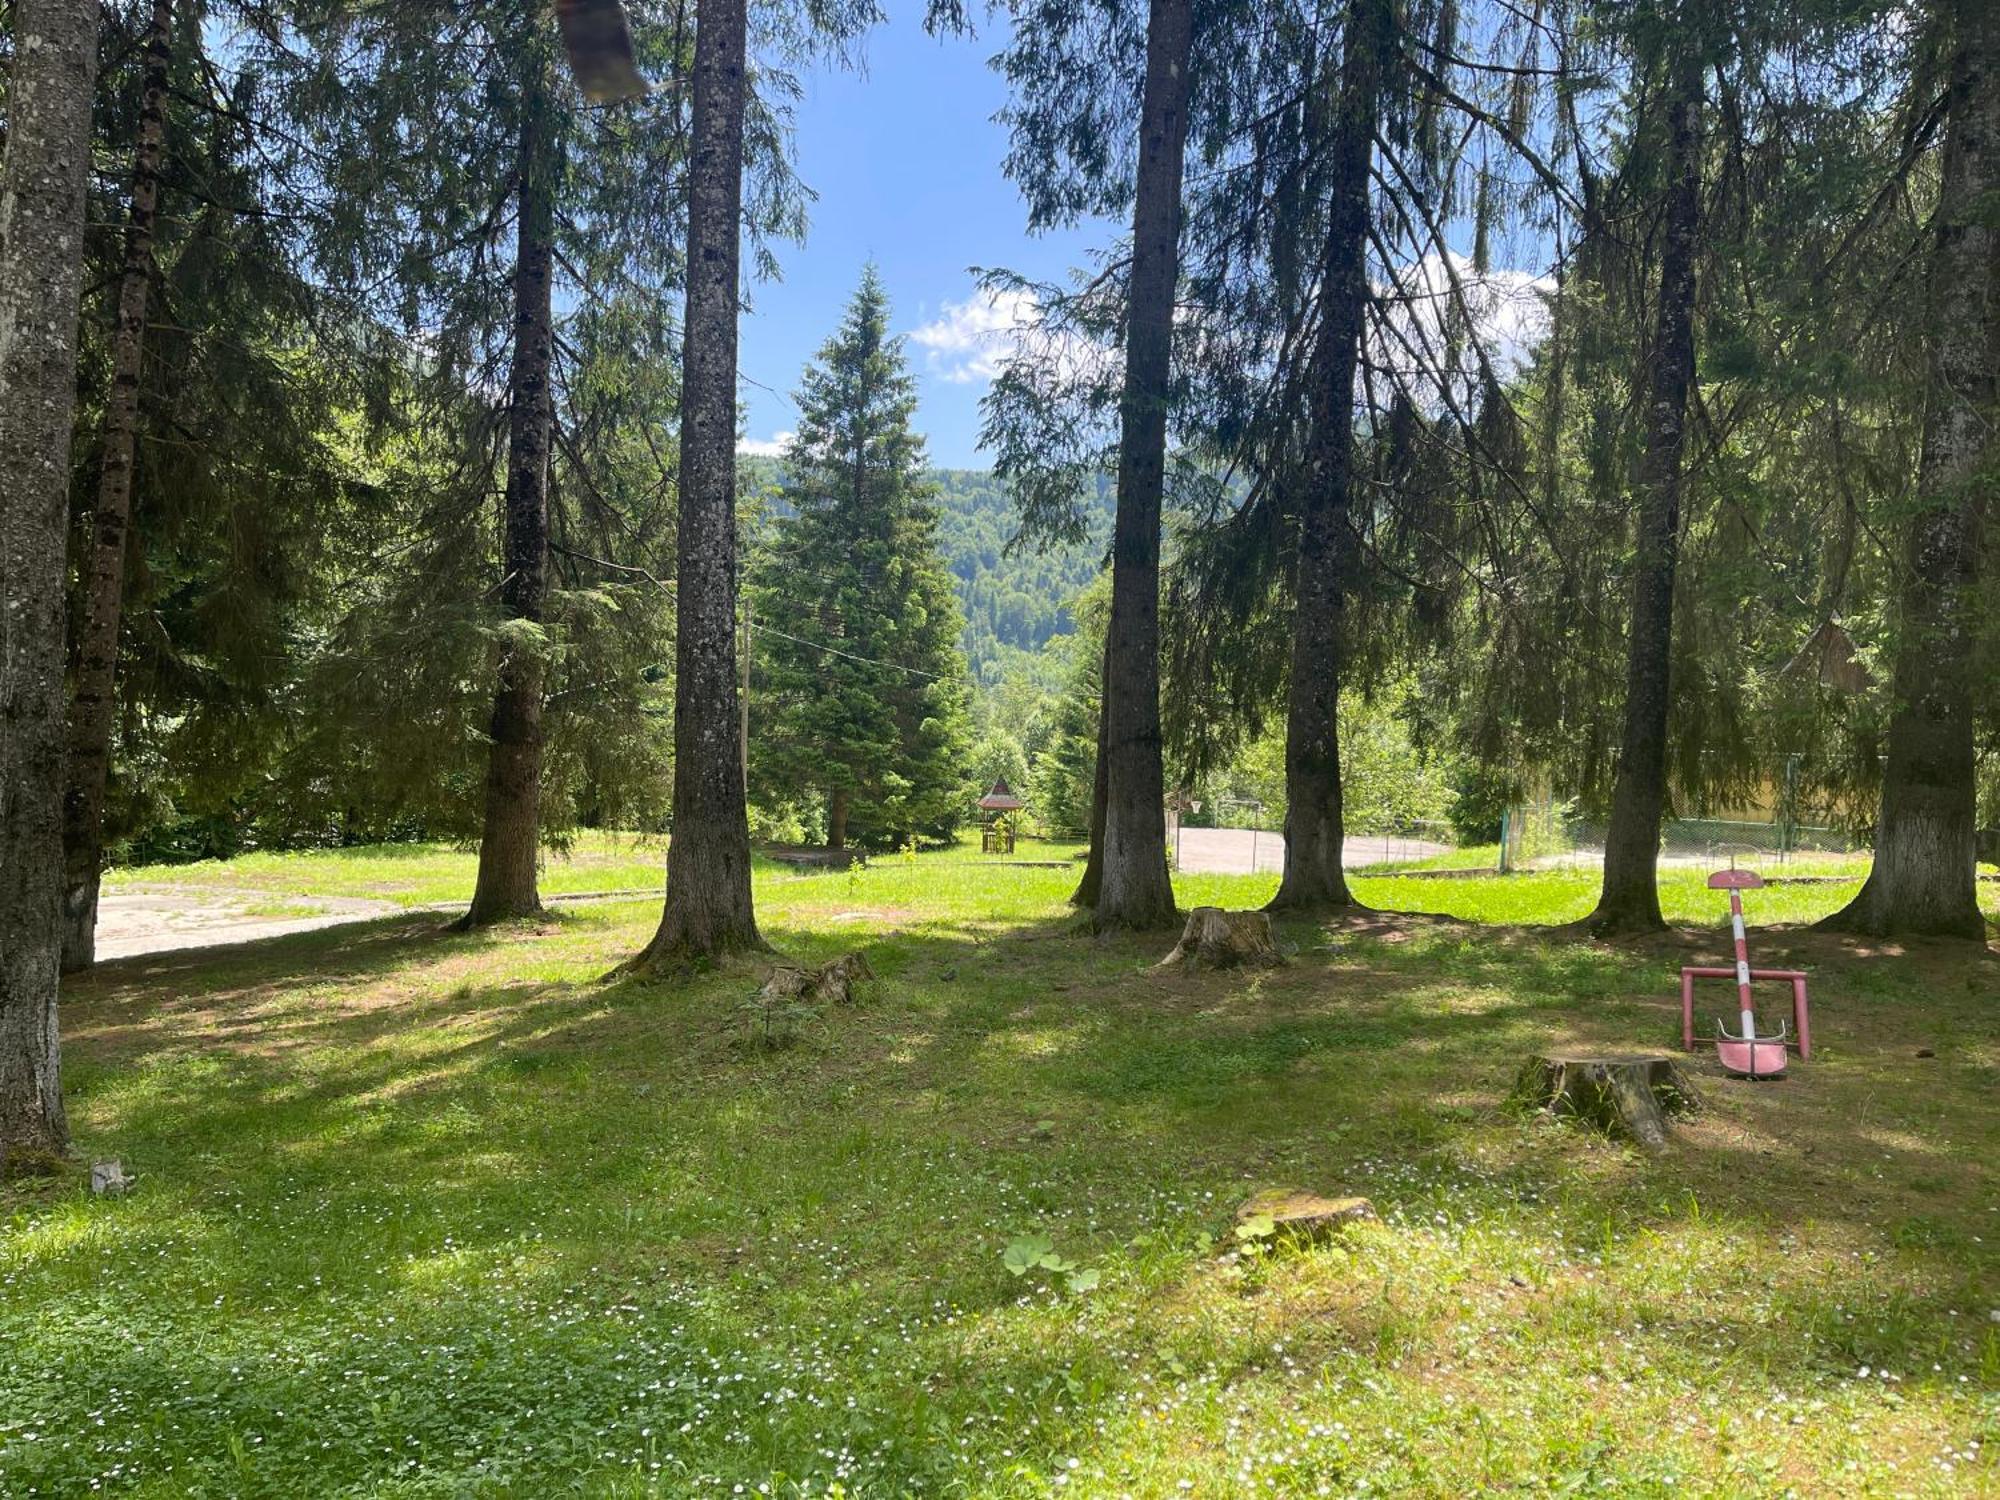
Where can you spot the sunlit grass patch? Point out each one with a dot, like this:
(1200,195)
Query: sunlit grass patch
(423,1212)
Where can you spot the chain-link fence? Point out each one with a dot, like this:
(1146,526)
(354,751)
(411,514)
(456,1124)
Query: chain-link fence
(1251,847)
(1774,824)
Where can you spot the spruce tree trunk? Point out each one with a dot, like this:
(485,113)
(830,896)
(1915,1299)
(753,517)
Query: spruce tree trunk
(1315,828)
(708,910)
(1629,899)
(94,696)
(1136,889)
(510,841)
(1923,880)
(43,178)
(1085,894)
(836,820)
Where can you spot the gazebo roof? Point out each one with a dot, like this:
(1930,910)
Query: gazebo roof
(1001,798)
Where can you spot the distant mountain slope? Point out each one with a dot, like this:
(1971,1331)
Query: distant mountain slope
(1018,600)
(1014,601)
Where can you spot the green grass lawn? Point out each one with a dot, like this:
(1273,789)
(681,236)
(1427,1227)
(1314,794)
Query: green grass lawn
(422,1213)
(411,874)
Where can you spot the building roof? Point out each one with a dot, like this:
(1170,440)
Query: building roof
(1001,798)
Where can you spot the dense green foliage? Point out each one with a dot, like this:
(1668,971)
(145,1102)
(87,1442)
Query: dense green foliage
(1016,594)
(858,684)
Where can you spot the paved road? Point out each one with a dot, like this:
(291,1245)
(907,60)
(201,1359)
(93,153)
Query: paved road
(1243,851)
(133,920)
(160,919)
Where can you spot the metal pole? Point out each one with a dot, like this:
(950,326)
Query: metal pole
(1743,1000)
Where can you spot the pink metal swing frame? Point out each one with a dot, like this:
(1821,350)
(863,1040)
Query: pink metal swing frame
(1747,1054)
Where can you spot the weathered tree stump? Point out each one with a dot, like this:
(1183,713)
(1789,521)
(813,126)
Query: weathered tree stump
(829,984)
(1218,939)
(1301,1217)
(109,1178)
(1629,1095)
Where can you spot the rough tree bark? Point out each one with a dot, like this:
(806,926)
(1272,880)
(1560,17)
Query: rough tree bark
(43,176)
(1315,828)
(1923,879)
(1135,889)
(836,820)
(708,910)
(510,840)
(1627,1095)
(93,698)
(1218,939)
(1087,888)
(830,983)
(1629,899)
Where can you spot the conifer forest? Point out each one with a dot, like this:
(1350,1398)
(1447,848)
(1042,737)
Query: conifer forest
(1034,749)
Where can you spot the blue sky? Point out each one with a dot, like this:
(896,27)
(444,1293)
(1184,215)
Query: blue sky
(905,158)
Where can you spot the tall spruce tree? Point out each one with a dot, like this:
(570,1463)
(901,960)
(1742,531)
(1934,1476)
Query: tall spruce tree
(91,697)
(479,206)
(1715,423)
(1336,142)
(1922,878)
(859,685)
(1134,889)
(1629,899)
(44,173)
(708,909)
(1315,828)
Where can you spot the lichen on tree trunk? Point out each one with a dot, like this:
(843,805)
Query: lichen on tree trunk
(1923,878)
(708,909)
(44,174)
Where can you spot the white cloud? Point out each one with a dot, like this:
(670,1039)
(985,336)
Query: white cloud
(973,340)
(772,447)
(1507,310)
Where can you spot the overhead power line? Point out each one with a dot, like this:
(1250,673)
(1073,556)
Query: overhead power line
(668,589)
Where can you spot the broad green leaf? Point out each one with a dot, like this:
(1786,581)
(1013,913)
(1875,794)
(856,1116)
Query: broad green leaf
(1025,1252)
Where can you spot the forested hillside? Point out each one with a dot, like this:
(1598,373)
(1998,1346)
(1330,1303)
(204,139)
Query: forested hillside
(1019,599)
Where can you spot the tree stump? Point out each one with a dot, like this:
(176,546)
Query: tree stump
(1218,939)
(1630,1095)
(829,984)
(1301,1217)
(109,1179)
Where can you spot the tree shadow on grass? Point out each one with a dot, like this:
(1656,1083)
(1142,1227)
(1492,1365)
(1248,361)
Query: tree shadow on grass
(512,1159)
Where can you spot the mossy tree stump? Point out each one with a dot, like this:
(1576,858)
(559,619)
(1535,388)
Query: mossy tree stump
(1630,1096)
(1301,1217)
(1218,939)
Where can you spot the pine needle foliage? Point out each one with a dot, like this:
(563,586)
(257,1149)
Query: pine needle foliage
(858,692)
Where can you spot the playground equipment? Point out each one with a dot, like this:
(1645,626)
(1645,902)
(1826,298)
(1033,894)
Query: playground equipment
(1744,1052)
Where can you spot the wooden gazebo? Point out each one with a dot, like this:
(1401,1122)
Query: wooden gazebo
(997,809)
